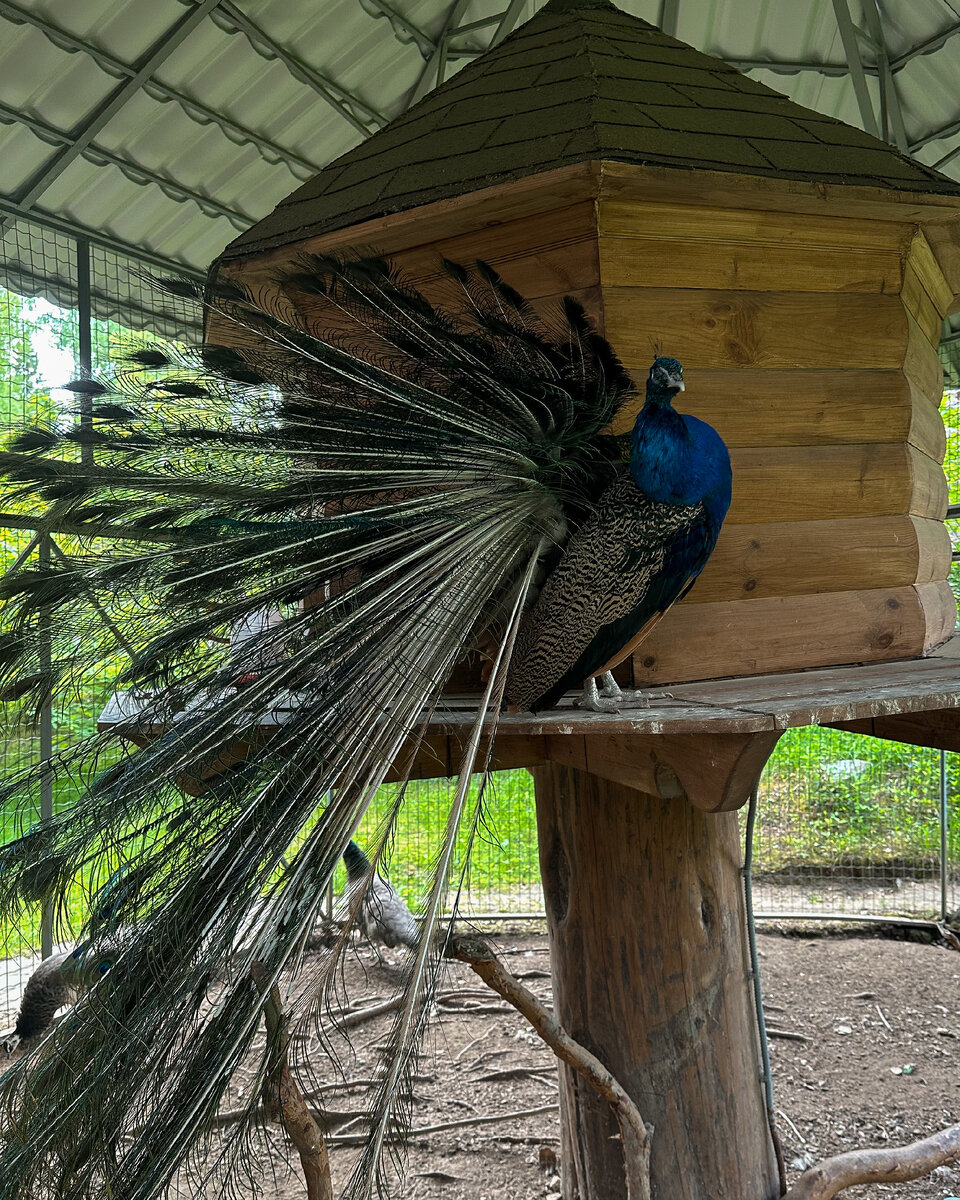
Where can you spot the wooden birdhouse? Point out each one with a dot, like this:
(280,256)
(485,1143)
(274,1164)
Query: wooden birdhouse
(799,268)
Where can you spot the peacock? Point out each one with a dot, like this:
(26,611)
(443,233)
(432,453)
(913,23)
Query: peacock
(405,484)
(383,912)
(53,985)
(639,551)
(48,989)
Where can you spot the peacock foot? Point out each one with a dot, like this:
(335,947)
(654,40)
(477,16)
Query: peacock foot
(610,697)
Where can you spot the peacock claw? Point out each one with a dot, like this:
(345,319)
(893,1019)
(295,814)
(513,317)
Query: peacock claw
(597,703)
(611,698)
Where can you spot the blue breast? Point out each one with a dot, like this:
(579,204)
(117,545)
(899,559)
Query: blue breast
(679,459)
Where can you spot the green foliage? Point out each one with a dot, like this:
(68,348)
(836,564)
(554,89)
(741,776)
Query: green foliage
(22,322)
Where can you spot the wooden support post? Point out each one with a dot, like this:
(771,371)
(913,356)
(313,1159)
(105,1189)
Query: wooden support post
(650,973)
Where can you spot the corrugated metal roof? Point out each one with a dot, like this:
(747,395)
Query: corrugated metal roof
(260,94)
(583,81)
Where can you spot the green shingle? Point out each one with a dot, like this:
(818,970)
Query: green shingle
(621,67)
(728,97)
(582,81)
(835,133)
(640,92)
(725,121)
(710,150)
(849,162)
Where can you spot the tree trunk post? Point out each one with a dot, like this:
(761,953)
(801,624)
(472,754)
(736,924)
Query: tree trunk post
(651,974)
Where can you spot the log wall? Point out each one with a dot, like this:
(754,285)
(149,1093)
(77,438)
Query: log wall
(809,341)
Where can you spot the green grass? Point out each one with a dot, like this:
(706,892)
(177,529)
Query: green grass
(812,818)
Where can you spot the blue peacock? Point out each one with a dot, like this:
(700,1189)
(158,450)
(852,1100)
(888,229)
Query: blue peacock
(639,551)
(428,486)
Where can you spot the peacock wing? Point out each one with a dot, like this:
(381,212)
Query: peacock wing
(625,566)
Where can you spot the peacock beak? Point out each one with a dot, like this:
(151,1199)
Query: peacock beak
(676,381)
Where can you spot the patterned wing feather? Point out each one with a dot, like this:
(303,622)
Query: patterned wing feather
(626,565)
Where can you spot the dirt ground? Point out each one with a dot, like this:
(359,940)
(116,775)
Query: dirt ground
(880,1065)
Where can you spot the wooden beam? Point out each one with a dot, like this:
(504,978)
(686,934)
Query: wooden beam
(724,328)
(940,730)
(640,888)
(438,755)
(715,772)
(921,363)
(726,189)
(650,219)
(819,483)
(755,407)
(758,266)
(791,558)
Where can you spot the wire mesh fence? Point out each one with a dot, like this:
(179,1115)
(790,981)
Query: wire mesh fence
(848,827)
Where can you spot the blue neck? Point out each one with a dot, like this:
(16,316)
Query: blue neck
(660,397)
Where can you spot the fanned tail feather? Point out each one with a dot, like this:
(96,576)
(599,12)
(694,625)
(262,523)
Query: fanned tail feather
(389,490)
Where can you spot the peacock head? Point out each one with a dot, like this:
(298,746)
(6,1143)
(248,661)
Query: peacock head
(665,380)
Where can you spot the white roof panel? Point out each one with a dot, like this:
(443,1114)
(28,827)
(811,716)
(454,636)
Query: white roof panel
(223,128)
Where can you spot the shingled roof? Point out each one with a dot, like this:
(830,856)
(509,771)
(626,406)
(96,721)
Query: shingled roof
(583,81)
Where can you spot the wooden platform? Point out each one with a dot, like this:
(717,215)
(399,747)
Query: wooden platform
(751,704)
(706,742)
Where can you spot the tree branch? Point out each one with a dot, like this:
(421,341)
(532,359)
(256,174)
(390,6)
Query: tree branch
(877,1166)
(297,1118)
(634,1134)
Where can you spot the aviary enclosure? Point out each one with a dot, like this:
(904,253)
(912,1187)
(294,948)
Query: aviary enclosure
(799,270)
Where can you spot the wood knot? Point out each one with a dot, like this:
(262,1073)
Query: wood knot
(668,783)
(750,585)
(649,660)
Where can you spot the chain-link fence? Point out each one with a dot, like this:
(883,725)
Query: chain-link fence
(849,827)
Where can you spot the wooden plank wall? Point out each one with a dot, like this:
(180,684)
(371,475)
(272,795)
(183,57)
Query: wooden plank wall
(810,343)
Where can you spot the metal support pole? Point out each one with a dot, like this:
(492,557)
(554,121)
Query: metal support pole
(851,47)
(944,865)
(891,114)
(46,749)
(434,68)
(85,341)
(668,16)
(508,19)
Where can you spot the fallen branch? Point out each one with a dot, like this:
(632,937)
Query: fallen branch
(535,1073)
(470,1045)
(351,1020)
(948,935)
(634,1134)
(356,1139)
(877,1166)
(297,1118)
